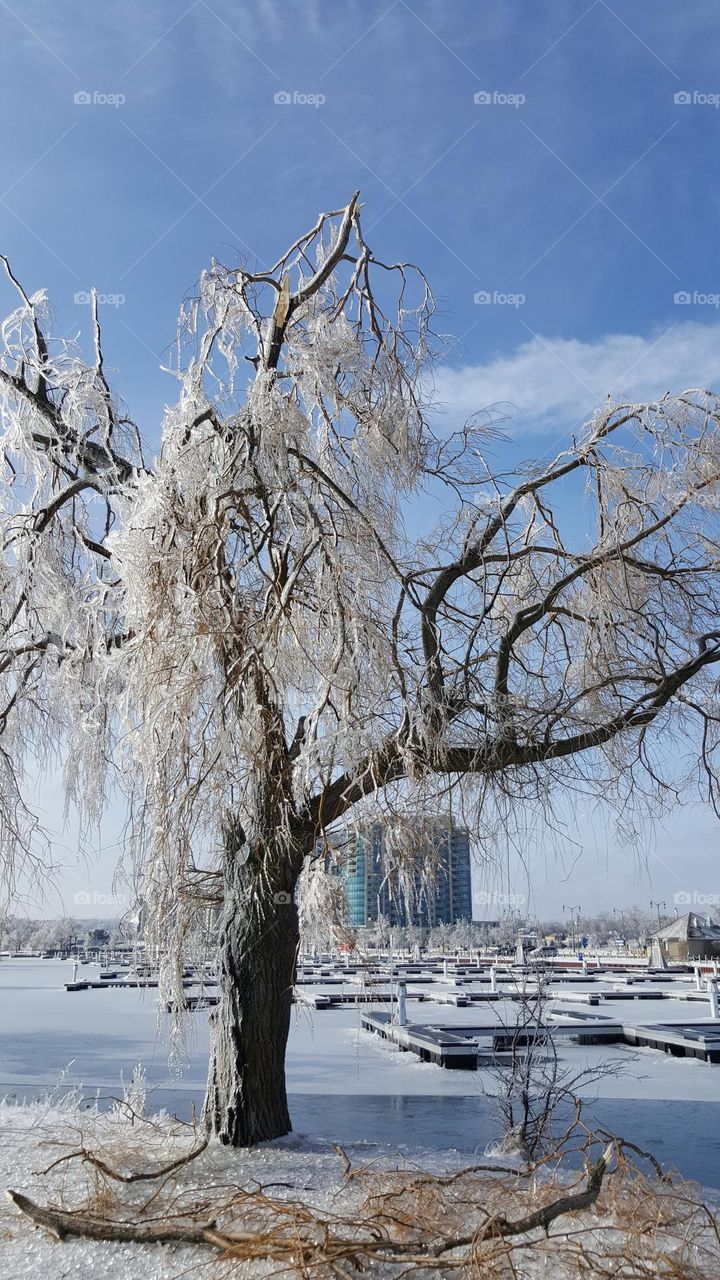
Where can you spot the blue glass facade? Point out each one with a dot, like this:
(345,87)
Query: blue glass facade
(372,891)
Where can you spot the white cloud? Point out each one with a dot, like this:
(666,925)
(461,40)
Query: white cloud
(554,382)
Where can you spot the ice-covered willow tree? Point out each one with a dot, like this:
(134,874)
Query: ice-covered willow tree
(247,636)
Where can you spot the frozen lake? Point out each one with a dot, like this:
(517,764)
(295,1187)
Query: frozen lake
(343,1083)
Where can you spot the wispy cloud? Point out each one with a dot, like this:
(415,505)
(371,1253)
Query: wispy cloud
(548,382)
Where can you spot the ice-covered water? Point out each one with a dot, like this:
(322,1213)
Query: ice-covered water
(344,1084)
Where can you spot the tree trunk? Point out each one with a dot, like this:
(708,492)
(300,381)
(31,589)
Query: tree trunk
(246,1100)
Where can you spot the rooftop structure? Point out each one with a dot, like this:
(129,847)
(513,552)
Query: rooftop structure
(689,937)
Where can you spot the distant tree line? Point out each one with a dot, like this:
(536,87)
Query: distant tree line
(64,934)
(631,926)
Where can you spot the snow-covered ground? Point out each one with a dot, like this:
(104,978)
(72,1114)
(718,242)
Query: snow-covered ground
(286,1186)
(32,1138)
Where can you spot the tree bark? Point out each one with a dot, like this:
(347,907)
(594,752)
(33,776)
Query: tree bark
(246,1100)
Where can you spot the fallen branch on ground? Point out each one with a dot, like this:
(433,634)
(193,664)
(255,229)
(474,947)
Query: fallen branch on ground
(572,1203)
(89,1157)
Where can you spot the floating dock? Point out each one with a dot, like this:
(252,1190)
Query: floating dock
(194,1003)
(467,1047)
(331,999)
(440,1045)
(681,1040)
(101,984)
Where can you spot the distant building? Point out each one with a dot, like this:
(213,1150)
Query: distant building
(372,891)
(690,937)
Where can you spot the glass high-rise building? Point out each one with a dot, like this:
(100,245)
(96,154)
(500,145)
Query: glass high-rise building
(372,891)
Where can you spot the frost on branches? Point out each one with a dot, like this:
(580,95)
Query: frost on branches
(246,636)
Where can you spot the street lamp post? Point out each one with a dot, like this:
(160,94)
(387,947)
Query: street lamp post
(658,905)
(572,911)
(618,911)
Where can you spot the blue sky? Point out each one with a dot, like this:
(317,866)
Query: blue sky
(584,186)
